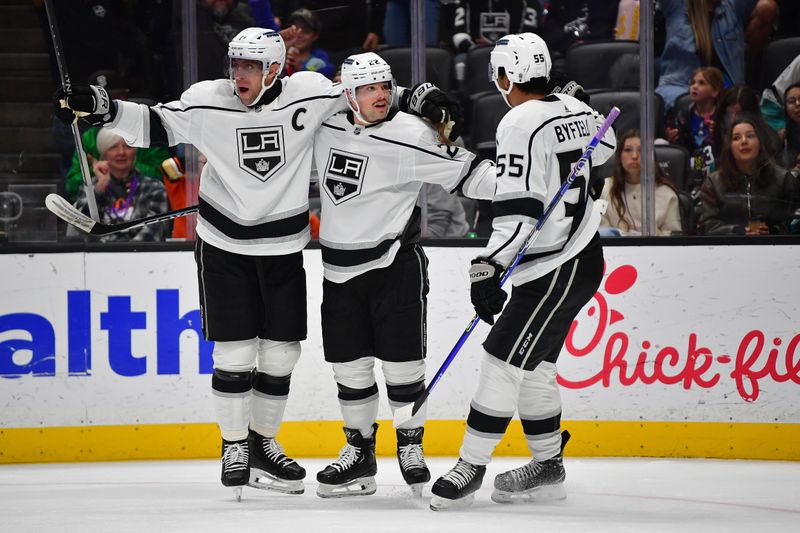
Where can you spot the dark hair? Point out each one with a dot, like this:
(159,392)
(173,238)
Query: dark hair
(617,190)
(792,135)
(533,85)
(730,175)
(743,95)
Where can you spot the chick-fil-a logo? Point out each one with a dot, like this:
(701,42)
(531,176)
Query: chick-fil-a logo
(692,364)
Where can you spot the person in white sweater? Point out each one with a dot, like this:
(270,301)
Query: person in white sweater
(623,192)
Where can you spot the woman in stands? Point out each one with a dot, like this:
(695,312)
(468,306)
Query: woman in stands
(623,191)
(790,158)
(749,194)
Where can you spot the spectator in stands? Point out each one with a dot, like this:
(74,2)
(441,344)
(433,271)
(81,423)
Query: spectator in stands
(790,158)
(741,100)
(691,127)
(446,218)
(218,21)
(148,160)
(480,23)
(772,102)
(122,192)
(348,25)
(711,33)
(303,55)
(748,194)
(263,15)
(623,191)
(565,23)
(397,21)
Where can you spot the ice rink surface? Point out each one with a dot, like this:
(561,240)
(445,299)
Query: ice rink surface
(637,495)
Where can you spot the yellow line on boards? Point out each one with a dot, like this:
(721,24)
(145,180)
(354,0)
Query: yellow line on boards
(442,437)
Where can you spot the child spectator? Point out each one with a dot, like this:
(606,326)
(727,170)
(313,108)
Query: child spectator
(303,55)
(623,191)
(691,127)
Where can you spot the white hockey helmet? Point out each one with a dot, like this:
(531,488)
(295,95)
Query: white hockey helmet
(365,69)
(258,44)
(523,57)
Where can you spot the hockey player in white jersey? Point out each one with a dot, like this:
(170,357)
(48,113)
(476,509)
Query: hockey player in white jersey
(256,131)
(372,162)
(538,141)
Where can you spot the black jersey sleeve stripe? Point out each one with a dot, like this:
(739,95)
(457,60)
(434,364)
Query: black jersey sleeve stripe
(332,127)
(505,244)
(158,134)
(529,207)
(411,146)
(318,97)
(193,107)
(349,258)
(285,227)
(475,162)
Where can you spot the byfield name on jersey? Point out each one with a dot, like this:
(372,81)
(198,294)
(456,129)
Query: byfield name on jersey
(573,130)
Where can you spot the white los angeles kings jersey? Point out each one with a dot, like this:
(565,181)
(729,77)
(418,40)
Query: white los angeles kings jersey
(369,180)
(254,188)
(538,143)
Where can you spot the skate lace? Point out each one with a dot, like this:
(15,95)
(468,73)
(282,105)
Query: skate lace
(411,456)
(347,458)
(235,457)
(274,452)
(524,472)
(460,475)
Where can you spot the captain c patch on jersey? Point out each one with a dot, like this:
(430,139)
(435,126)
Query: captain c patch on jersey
(261,150)
(344,174)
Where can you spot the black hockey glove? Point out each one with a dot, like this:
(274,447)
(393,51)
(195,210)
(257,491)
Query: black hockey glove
(559,83)
(487,296)
(428,101)
(89,102)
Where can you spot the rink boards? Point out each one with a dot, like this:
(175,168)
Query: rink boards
(683,352)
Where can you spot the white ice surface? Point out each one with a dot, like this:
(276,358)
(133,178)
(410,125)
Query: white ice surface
(637,495)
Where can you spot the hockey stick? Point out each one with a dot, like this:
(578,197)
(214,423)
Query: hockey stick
(66,84)
(405,413)
(68,213)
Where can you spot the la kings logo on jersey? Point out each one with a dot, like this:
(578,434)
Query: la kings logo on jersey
(344,175)
(261,150)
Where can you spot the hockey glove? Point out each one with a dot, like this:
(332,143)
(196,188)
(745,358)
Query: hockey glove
(426,100)
(487,296)
(559,83)
(91,103)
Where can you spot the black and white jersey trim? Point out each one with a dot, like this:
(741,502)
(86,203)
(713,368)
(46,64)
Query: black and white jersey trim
(292,224)
(528,207)
(193,107)
(508,241)
(319,97)
(335,255)
(535,132)
(411,146)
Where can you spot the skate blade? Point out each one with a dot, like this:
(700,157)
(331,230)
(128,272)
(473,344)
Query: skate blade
(416,489)
(237,493)
(439,504)
(363,486)
(546,493)
(262,480)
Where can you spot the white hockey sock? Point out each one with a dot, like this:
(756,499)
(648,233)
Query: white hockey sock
(540,411)
(405,383)
(491,409)
(231,387)
(358,393)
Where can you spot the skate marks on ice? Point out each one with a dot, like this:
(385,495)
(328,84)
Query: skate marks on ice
(602,495)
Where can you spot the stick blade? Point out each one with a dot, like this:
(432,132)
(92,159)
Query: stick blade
(403,414)
(64,210)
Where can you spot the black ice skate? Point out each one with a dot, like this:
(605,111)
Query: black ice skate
(352,474)
(457,487)
(411,459)
(235,465)
(536,481)
(270,469)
